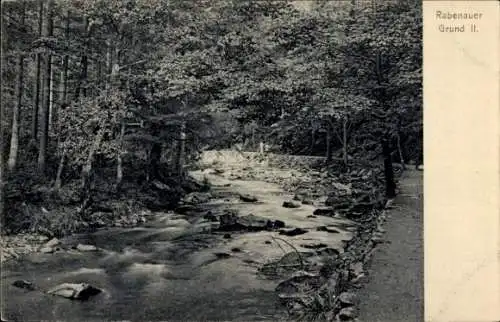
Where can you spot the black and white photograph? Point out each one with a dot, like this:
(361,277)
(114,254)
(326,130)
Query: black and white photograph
(211,160)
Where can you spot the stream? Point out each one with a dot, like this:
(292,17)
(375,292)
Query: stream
(175,267)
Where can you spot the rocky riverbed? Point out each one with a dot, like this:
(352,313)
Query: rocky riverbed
(249,249)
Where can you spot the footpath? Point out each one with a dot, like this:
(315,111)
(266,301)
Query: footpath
(394,289)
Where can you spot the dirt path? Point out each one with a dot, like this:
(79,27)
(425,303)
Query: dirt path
(394,291)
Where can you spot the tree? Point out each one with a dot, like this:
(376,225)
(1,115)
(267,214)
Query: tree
(44,135)
(14,141)
(3,64)
(37,81)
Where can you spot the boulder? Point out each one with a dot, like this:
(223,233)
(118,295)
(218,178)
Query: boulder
(290,204)
(293,232)
(196,198)
(248,198)
(47,250)
(186,209)
(75,291)
(253,222)
(52,243)
(328,229)
(230,221)
(24,284)
(297,281)
(324,212)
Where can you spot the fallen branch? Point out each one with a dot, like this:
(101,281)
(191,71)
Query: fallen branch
(293,247)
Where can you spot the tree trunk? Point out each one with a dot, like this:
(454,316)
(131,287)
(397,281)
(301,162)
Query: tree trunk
(14,140)
(2,102)
(344,143)
(38,81)
(51,98)
(390,185)
(44,135)
(313,141)
(109,66)
(181,151)
(115,70)
(64,73)
(119,157)
(154,160)
(82,78)
(60,168)
(63,80)
(400,151)
(329,151)
(87,168)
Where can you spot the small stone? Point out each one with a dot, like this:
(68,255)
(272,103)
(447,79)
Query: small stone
(268,242)
(43,238)
(236,250)
(227,236)
(328,229)
(278,224)
(47,250)
(347,314)
(86,248)
(248,198)
(51,243)
(347,299)
(356,269)
(378,240)
(222,255)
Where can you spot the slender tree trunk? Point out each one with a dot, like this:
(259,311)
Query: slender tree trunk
(2,102)
(313,141)
(99,75)
(154,160)
(119,157)
(82,78)
(344,143)
(51,97)
(62,100)
(38,81)
(109,66)
(87,168)
(44,135)
(14,140)
(65,65)
(181,151)
(63,80)
(400,151)
(390,185)
(58,181)
(329,131)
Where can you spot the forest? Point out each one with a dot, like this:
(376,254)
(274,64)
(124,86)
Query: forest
(108,99)
(218,155)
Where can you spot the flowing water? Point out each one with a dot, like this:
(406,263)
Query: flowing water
(173,267)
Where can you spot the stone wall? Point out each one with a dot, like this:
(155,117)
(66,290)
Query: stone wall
(255,159)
